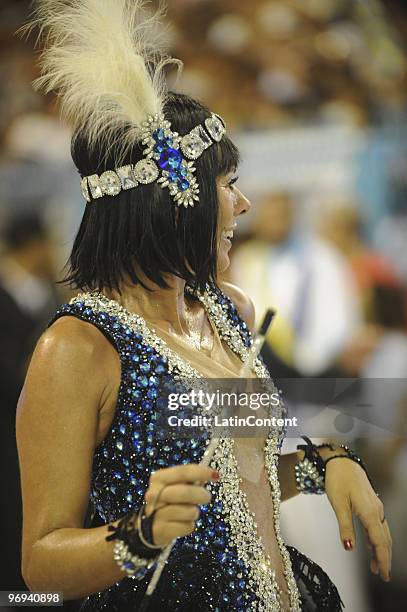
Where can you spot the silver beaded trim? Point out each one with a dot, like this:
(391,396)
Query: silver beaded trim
(271,462)
(243,532)
(243,529)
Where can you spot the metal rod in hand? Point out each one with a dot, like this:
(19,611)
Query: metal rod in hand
(254,351)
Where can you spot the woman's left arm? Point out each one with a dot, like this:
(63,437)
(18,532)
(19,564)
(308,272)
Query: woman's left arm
(350,493)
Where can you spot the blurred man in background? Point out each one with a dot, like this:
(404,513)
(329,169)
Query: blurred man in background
(341,224)
(27,298)
(305,279)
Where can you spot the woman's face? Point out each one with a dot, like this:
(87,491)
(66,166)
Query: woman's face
(232,203)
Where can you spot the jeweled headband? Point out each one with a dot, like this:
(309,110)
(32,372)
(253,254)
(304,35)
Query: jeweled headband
(169,160)
(105,63)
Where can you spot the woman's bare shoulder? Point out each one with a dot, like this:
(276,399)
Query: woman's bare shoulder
(71,347)
(242,301)
(69,333)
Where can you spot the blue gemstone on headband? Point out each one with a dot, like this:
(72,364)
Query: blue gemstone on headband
(159,147)
(184,184)
(183,170)
(173,176)
(159,134)
(175,161)
(170,159)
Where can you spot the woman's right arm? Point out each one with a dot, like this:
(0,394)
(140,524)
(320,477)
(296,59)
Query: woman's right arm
(68,385)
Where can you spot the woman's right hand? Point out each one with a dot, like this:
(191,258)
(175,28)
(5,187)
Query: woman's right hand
(175,494)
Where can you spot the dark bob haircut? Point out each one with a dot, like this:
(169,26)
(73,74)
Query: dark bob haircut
(142,228)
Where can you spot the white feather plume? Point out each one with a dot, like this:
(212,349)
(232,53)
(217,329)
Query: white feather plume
(102,58)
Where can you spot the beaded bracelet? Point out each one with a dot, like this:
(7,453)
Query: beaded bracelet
(134,551)
(310,471)
(132,564)
(350,454)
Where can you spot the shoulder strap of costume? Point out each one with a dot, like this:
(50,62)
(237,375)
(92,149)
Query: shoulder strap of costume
(232,313)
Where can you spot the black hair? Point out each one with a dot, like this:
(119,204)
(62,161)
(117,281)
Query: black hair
(22,228)
(142,228)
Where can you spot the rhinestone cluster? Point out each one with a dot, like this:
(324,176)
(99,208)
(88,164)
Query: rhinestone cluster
(307,477)
(228,567)
(163,145)
(168,160)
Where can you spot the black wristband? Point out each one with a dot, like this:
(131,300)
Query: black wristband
(353,457)
(146,526)
(128,533)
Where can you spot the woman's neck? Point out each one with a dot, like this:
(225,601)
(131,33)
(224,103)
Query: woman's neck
(158,305)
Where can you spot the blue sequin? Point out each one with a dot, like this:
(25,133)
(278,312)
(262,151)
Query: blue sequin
(153,381)
(152,393)
(142,381)
(147,404)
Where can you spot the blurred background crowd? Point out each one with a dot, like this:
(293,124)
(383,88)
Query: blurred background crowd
(315,94)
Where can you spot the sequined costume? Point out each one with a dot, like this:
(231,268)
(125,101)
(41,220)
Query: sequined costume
(222,564)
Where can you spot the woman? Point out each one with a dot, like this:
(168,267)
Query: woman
(153,312)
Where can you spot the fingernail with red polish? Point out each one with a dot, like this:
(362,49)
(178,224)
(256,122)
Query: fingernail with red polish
(215,475)
(347,544)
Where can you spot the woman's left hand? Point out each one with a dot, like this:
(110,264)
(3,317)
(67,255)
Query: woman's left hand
(350,492)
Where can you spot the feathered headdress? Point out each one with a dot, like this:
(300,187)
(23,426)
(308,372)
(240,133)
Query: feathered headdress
(104,60)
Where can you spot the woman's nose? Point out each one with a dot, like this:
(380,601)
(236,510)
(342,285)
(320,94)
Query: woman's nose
(243,204)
